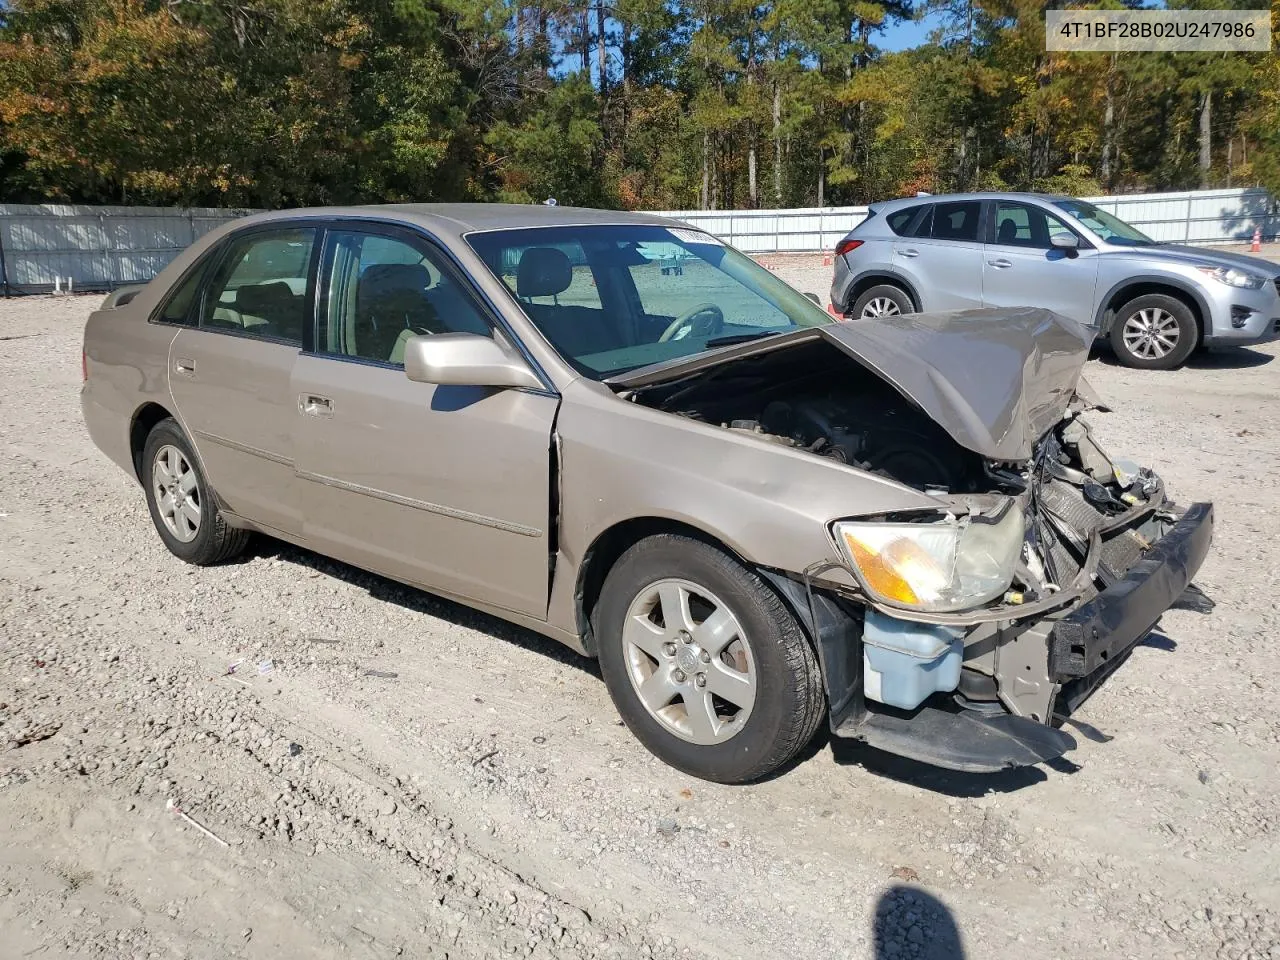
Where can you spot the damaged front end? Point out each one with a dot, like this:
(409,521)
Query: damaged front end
(960,634)
(1103,553)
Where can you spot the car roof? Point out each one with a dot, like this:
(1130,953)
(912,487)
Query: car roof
(977,195)
(463,218)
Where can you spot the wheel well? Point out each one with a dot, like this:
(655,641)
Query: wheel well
(1135,290)
(864,284)
(144,422)
(609,547)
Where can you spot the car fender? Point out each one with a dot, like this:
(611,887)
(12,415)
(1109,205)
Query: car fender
(892,273)
(1147,277)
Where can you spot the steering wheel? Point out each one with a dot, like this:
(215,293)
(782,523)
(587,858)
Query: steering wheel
(704,320)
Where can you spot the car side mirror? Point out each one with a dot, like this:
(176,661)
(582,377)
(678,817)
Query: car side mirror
(814,298)
(465,360)
(1065,241)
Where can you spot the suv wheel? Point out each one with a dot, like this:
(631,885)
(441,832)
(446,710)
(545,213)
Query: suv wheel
(182,505)
(882,300)
(707,666)
(1154,332)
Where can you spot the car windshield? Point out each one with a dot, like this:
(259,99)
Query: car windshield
(612,299)
(1109,228)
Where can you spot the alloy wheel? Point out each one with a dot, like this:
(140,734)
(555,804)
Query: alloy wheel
(173,482)
(880,307)
(1151,333)
(689,661)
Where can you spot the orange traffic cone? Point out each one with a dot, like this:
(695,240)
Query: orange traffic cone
(1256,246)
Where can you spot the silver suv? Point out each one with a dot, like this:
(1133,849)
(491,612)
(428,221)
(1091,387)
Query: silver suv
(1156,302)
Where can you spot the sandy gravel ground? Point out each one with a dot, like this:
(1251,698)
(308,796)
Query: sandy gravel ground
(409,778)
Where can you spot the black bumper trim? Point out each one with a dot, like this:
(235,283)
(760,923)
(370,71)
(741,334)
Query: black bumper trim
(1104,628)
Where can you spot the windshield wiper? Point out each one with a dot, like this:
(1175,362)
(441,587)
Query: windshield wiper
(730,340)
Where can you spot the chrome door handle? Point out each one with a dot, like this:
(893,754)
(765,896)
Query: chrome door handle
(315,406)
(183,365)
(907,252)
(1000,263)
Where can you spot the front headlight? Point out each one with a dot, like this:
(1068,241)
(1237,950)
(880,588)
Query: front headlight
(947,565)
(1233,277)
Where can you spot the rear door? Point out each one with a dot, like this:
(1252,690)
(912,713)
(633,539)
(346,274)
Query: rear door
(447,487)
(230,373)
(1021,266)
(943,259)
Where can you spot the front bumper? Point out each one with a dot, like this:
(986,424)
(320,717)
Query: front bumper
(1243,317)
(1100,631)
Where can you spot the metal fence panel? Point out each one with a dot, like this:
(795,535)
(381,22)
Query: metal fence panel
(1196,216)
(104,247)
(97,247)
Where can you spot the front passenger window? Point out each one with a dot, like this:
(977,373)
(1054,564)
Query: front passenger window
(260,287)
(382,290)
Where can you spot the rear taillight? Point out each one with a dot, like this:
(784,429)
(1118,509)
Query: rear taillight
(847,246)
(84,365)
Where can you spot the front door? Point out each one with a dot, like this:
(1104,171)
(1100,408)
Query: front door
(1021,266)
(447,487)
(230,373)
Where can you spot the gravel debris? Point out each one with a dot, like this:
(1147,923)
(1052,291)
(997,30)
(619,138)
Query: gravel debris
(487,802)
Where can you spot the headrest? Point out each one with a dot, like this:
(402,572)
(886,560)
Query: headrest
(1008,232)
(543,272)
(383,278)
(258,298)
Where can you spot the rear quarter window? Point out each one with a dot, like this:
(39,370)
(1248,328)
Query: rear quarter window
(900,220)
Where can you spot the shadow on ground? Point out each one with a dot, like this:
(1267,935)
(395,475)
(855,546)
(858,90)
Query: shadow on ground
(912,923)
(418,601)
(1222,358)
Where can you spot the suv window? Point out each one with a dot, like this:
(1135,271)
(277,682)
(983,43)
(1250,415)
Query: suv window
(900,219)
(957,220)
(260,287)
(382,290)
(1024,225)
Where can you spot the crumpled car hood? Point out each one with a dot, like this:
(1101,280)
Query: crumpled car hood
(995,379)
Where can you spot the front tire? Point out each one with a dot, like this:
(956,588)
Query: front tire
(882,300)
(1154,332)
(705,663)
(183,507)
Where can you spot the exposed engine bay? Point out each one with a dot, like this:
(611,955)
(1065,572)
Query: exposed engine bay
(811,397)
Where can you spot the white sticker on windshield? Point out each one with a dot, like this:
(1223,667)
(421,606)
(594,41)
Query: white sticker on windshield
(696,236)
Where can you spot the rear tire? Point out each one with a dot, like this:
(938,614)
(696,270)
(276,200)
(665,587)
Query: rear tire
(182,504)
(1154,332)
(741,635)
(882,300)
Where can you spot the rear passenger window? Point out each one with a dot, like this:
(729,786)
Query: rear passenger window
(957,220)
(260,287)
(382,290)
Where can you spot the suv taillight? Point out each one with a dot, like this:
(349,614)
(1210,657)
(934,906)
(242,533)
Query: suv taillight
(847,246)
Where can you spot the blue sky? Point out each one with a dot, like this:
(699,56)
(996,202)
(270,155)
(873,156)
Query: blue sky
(907,34)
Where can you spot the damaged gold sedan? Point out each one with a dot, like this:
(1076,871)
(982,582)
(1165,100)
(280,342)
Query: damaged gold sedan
(625,435)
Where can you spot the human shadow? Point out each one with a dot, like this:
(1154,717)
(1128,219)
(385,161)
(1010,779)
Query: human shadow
(912,923)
